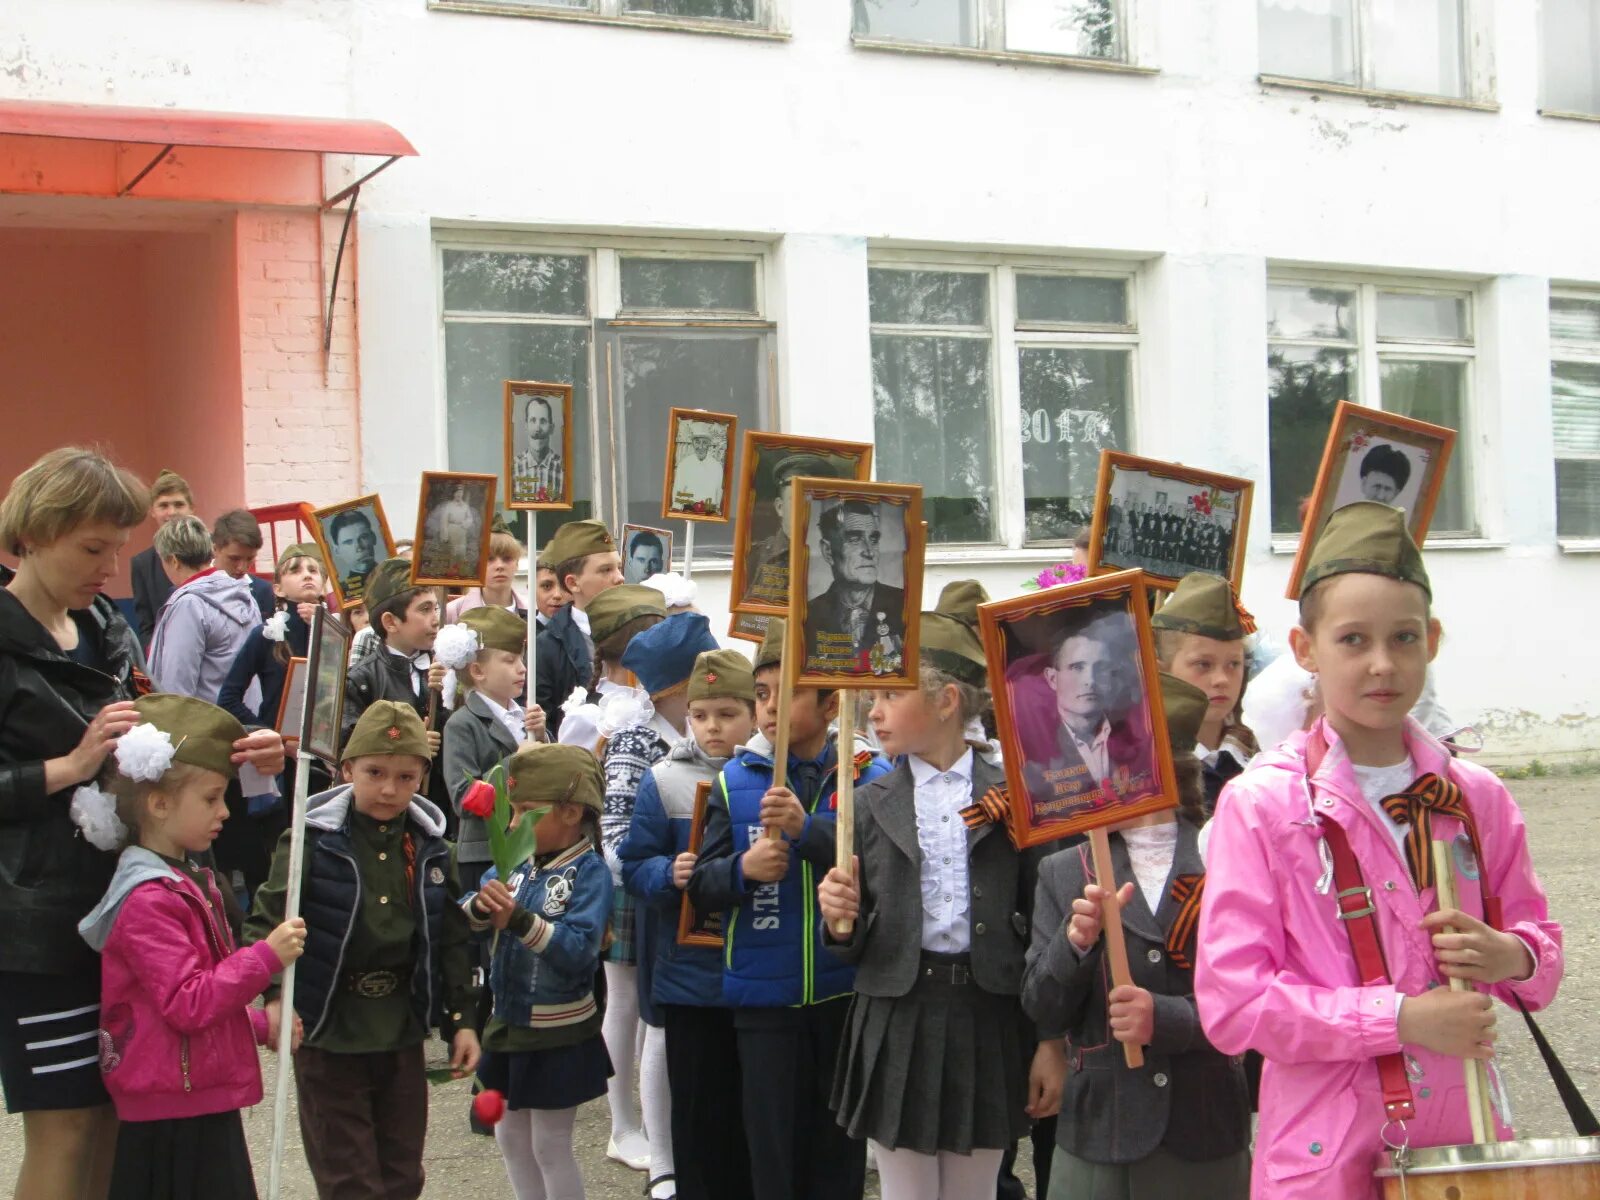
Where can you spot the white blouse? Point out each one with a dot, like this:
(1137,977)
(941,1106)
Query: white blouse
(942,838)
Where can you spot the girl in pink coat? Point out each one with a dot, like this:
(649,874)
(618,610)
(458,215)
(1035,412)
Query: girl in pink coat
(1276,970)
(178,1034)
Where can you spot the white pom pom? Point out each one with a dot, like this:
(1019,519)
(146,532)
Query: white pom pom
(95,812)
(574,702)
(144,753)
(455,647)
(677,591)
(1278,700)
(625,709)
(277,626)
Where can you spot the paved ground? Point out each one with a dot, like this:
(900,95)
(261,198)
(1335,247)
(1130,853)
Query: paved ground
(1562,831)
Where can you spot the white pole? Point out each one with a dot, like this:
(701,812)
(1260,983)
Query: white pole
(688,550)
(291,910)
(533,606)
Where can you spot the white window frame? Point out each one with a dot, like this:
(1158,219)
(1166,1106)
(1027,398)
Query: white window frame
(1588,353)
(1545,109)
(1134,44)
(1370,353)
(1005,408)
(771,20)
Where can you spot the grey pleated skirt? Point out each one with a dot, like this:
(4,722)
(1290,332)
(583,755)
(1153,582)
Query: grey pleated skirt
(944,1067)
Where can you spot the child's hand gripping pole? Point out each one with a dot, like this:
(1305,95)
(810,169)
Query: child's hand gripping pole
(1479,1107)
(845,799)
(291,910)
(1111,924)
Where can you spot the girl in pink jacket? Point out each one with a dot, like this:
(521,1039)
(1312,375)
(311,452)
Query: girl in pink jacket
(178,1034)
(1348,1049)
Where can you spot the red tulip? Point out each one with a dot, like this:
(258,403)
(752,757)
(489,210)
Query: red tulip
(479,800)
(489,1106)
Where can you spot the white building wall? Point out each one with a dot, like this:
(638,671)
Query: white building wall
(1197,171)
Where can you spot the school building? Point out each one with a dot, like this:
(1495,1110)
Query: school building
(990,236)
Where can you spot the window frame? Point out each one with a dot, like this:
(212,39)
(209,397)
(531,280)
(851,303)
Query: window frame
(1133,49)
(1007,337)
(1370,352)
(1545,109)
(1587,354)
(771,22)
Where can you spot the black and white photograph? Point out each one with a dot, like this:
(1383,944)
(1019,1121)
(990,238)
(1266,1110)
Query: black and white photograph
(1385,471)
(354,538)
(857,582)
(1168,520)
(645,552)
(454,515)
(699,478)
(538,433)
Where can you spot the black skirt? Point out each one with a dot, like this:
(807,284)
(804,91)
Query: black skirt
(549,1079)
(189,1158)
(50,1040)
(944,1067)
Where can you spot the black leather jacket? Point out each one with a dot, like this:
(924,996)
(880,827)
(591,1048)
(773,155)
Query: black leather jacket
(49,875)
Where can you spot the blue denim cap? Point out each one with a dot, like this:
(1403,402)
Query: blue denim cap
(662,657)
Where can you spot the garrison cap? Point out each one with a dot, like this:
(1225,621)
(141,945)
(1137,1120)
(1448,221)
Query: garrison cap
(388,727)
(1366,538)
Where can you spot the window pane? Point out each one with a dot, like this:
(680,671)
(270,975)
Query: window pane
(1086,28)
(716,10)
(478,360)
(1310,312)
(1304,385)
(1433,391)
(662,370)
(1309,39)
(1575,405)
(721,285)
(1074,404)
(942,22)
(1416,46)
(1072,300)
(1578,499)
(1574,320)
(928,297)
(931,402)
(1571,54)
(489,281)
(1406,315)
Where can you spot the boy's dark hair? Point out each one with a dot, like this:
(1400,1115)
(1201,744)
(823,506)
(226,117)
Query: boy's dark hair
(397,606)
(571,566)
(237,525)
(610,650)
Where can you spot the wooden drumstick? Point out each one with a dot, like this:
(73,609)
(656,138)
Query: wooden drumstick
(1111,925)
(1479,1107)
(845,799)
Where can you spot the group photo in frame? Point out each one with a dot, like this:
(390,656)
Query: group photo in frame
(762,541)
(1077,703)
(698,484)
(538,445)
(694,927)
(326,664)
(855,583)
(1168,520)
(1381,456)
(646,551)
(455,515)
(354,537)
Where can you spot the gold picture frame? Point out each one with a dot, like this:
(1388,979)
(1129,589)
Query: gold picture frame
(455,513)
(351,547)
(680,502)
(695,928)
(527,483)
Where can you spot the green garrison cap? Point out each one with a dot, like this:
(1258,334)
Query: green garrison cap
(950,641)
(577,539)
(616,606)
(804,462)
(541,774)
(497,628)
(387,581)
(1186,707)
(722,673)
(1202,604)
(1366,538)
(202,734)
(301,550)
(388,727)
(498,525)
(770,653)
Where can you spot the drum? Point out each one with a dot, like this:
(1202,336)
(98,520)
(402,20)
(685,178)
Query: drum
(1539,1169)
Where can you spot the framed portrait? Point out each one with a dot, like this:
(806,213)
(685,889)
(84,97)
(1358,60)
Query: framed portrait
(646,551)
(1077,700)
(354,537)
(454,516)
(855,584)
(749,627)
(538,445)
(1373,455)
(696,928)
(699,477)
(1168,520)
(292,704)
(762,541)
(325,675)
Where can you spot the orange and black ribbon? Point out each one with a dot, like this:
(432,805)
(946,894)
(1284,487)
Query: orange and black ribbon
(1186,892)
(1415,807)
(1247,623)
(991,808)
(409,845)
(862,759)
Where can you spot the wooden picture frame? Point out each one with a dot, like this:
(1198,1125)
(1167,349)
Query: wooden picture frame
(1353,468)
(848,538)
(351,547)
(695,929)
(328,658)
(455,512)
(761,545)
(680,498)
(625,545)
(1052,796)
(528,483)
(1186,533)
(748,627)
(291,704)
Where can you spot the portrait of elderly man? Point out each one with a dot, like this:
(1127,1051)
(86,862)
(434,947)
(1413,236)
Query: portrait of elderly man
(857,613)
(537,471)
(697,473)
(354,540)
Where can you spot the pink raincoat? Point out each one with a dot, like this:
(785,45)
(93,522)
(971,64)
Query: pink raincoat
(1276,974)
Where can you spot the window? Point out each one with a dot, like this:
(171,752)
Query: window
(955,344)
(751,14)
(1571,37)
(636,332)
(1413,46)
(1402,349)
(1575,404)
(1071,28)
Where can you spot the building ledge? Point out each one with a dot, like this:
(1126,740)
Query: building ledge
(1014,57)
(1561,114)
(1574,545)
(1282,545)
(1376,96)
(510,8)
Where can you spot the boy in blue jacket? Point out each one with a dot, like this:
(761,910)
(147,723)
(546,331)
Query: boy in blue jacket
(789,995)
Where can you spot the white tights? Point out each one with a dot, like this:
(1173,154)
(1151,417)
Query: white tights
(907,1175)
(536,1144)
(622,1033)
(656,1094)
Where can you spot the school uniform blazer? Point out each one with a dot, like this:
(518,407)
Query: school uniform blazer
(886,942)
(475,742)
(564,663)
(1188,1098)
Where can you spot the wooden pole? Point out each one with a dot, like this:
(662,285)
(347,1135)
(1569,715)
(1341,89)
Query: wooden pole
(688,551)
(1111,926)
(1478,1104)
(291,909)
(845,796)
(533,609)
(780,740)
